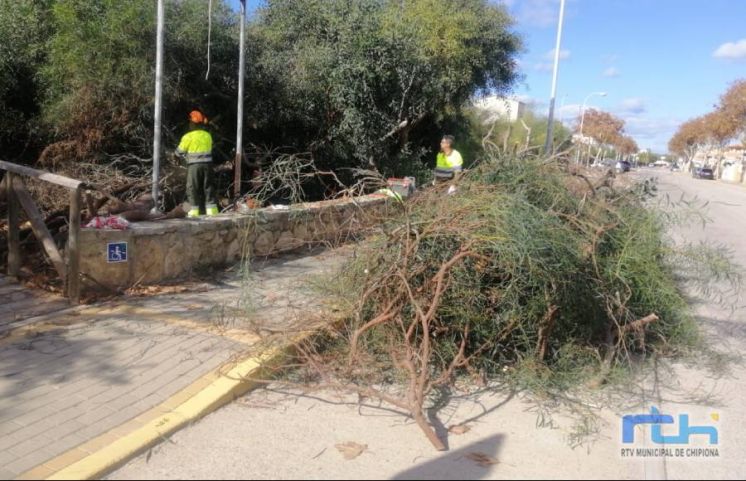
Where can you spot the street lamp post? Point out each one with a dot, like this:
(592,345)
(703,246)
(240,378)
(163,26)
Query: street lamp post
(238,162)
(158,110)
(550,120)
(582,117)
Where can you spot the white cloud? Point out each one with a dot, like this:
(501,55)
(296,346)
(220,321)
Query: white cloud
(731,50)
(573,112)
(526,99)
(633,105)
(568,113)
(649,127)
(652,132)
(535,13)
(610,58)
(648,131)
(564,55)
(611,72)
(547,62)
(543,67)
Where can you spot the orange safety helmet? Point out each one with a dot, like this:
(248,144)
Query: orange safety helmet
(197,117)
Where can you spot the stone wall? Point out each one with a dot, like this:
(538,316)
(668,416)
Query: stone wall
(170,249)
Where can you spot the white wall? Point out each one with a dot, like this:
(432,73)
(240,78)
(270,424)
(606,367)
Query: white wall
(501,108)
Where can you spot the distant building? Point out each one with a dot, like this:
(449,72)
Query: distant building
(729,155)
(583,139)
(734,153)
(501,108)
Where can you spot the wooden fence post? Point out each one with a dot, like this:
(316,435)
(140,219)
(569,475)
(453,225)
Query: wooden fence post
(73,248)
(14,242)
(39,228)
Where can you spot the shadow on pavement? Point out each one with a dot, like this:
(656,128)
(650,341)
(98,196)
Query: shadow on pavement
(474,461)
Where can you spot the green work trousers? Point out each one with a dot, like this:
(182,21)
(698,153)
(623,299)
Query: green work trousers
(200,186)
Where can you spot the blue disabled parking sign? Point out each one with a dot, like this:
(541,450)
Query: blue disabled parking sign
(116,252)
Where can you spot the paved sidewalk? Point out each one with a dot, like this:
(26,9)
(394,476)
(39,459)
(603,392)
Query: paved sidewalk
(18,304)
(80,373)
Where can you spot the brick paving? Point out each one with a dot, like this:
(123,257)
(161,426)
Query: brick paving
(63,387)
(104,365)
(18,304)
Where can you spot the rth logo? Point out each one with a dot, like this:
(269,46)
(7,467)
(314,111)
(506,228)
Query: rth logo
(656,419)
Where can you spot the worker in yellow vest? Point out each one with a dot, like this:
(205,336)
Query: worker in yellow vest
(449,162)
(196,148)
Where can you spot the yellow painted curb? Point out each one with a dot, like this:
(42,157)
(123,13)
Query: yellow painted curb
(240,379)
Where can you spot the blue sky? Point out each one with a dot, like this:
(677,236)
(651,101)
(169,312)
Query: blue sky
(661,62)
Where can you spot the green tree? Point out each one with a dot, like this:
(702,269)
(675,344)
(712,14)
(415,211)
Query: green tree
(646,157)
(373,83)
(363,83)
(23,24)
(97,74)
(100,76)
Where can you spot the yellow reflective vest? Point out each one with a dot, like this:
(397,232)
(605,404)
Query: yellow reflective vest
(196,147)
(447,165)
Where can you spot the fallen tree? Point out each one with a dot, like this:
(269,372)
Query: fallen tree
(529,268)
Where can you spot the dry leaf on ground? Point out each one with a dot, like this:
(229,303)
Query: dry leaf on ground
(482,459)
(459,429)
(351,450)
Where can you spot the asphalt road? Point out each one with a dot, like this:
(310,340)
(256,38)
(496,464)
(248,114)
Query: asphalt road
(276,434)
(725,207)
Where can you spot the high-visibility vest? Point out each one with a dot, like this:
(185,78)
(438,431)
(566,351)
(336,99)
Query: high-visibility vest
(447,165)
(196,147)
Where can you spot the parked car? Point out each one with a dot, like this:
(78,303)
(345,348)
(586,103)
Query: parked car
(600,165)
(623,166)
(703,173)
(675,168)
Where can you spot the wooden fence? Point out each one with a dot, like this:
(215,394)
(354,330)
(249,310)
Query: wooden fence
(14,189)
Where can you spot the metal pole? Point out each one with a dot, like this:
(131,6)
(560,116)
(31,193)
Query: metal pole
(239,114)
(550,120)
(158,105)
(582,117)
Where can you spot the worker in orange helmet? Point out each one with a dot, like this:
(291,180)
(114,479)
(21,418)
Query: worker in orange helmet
(196,148)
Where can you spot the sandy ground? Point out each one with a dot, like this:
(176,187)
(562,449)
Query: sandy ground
(275,434)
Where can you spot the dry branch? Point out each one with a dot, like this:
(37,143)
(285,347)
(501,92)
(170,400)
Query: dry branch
(640,324)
